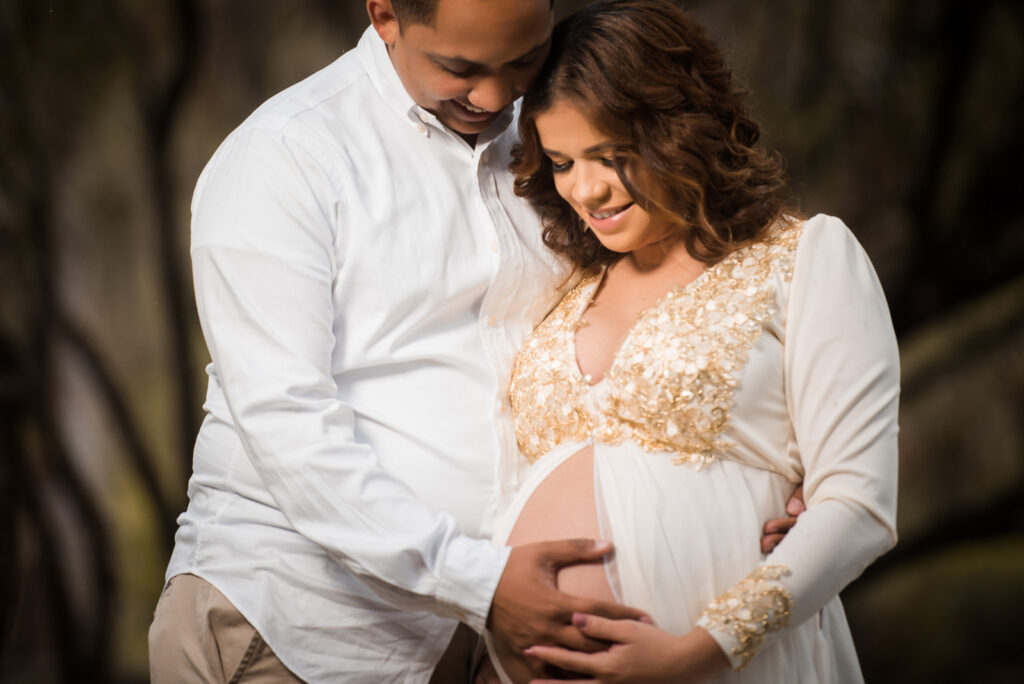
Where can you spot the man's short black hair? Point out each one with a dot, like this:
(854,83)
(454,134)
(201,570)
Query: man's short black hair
(418,11)
(415,11)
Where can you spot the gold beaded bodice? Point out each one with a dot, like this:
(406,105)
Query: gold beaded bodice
(670,386)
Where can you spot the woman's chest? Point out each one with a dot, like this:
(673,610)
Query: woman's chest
(675,381)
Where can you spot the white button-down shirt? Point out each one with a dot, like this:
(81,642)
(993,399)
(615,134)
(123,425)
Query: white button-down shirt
(364,278)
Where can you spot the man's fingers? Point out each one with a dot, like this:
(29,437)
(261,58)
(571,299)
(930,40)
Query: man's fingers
(779,525)
(795,505)
(612,611)
(572,551)
(770,541)
(567,660)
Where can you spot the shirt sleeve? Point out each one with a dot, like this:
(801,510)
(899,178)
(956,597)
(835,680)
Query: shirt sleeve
(266,235)
(842,387)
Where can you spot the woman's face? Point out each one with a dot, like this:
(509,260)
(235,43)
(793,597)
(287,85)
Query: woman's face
(583,166)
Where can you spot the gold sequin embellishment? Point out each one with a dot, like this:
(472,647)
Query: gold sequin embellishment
(751,609)
(670,386)
(547,393)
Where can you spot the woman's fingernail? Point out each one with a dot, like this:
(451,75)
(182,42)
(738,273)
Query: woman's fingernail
(579,620)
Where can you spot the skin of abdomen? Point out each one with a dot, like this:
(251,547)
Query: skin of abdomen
(561,507)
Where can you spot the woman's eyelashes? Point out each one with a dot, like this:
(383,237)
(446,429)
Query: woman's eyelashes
(562,167)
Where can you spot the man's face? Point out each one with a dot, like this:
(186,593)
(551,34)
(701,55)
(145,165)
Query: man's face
(476,58)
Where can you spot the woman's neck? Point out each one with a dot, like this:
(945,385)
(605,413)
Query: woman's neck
(659,260)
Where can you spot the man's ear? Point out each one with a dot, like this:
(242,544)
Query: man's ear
(382,16)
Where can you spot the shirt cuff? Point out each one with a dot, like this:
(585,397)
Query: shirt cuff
(741,618)
(473,568)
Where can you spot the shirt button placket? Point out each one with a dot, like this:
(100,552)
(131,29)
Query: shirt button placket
(422,125)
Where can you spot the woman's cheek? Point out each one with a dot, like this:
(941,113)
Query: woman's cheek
(564,188)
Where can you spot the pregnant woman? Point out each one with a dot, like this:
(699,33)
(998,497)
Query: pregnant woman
(716,351)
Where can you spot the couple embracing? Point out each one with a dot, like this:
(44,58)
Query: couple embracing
(457,338)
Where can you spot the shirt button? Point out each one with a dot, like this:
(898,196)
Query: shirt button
(494,246)
(423,117)
(490,321)
(421,128)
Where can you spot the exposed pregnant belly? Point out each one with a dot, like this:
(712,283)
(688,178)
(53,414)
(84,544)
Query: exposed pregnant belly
(562,506)
(680,533)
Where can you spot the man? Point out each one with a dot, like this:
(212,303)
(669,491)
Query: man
(364,275)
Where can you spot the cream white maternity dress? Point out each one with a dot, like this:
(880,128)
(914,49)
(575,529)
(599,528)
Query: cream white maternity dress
(778,365)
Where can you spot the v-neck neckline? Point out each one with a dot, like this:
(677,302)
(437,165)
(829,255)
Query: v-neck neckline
(672,293)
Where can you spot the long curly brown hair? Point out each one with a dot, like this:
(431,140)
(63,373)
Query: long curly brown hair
(686,148)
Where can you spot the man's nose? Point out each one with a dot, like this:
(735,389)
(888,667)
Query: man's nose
(493,93)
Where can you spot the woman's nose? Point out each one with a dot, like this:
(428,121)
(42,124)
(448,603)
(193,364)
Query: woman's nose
(590,190)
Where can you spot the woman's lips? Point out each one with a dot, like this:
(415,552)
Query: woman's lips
(606,219)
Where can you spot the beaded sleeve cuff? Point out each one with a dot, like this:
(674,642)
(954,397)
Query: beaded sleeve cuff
(740,618)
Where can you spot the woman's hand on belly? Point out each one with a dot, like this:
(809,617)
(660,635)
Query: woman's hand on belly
(640,653)
(528,608)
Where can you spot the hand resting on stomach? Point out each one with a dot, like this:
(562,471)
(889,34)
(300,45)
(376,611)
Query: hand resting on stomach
(562,506)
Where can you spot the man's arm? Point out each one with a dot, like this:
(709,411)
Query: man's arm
(264,250)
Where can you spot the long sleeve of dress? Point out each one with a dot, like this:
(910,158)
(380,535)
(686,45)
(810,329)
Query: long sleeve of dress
(842,387)
(267,233)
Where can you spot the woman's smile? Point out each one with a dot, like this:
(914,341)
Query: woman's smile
(585,174)
(609,218)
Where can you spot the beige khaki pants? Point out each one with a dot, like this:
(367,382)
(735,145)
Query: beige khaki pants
(198,637)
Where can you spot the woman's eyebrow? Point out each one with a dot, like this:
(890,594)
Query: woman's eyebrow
(599,147)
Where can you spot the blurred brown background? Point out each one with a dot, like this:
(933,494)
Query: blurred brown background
(900,116)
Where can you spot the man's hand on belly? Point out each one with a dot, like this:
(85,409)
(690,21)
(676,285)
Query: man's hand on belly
(528,609)
(775,530)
